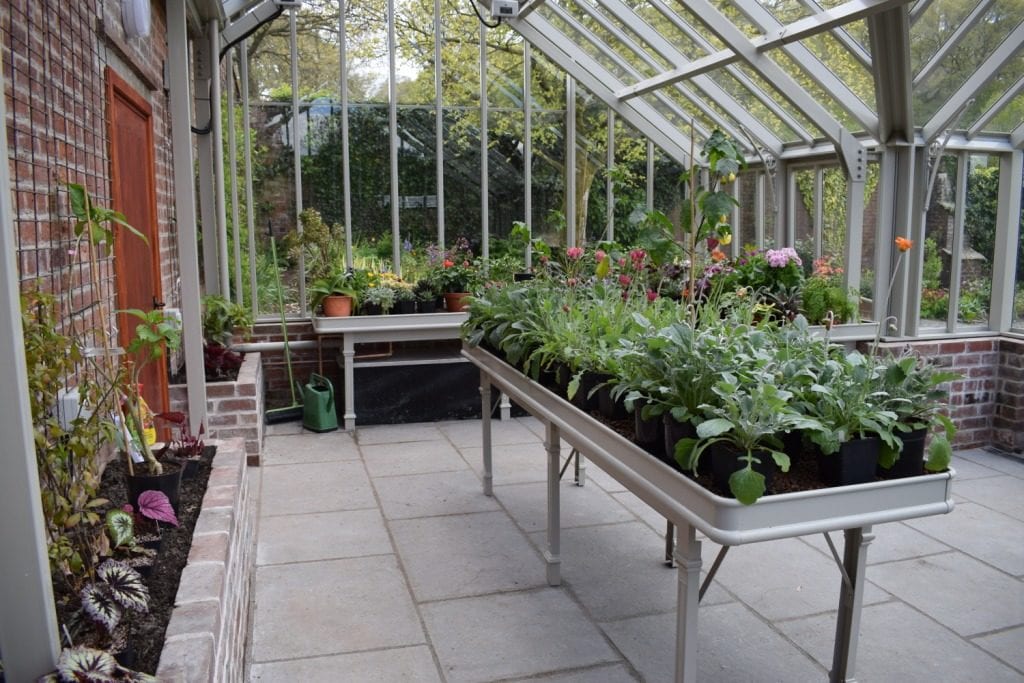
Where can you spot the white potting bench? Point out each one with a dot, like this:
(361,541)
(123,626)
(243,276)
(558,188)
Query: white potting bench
(690,507)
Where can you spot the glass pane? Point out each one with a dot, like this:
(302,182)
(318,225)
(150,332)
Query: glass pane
(369,159)
(823,97)
(938,244)
(1007,120)
(745,100)
(505,175)
(1018,290)
(842,63)
(460,60)
(414,38)
(462,175)
(1013,113)
(668,189)
(417,185)
(548,176)
(661,24)
(504,68)
(769,90)
(630,180)
(591,160)
(979,239)
(750,208)
(587,40)
(786,11)
(868,286)
(803,215)
(710,39)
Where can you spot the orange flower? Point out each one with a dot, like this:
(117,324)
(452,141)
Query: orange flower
(448,263)
(717,255)
(903,244)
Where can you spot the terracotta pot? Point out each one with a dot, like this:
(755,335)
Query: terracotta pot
(455,301)
(337,306)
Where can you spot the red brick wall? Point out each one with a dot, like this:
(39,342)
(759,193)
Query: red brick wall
(54,54)
(1008,422)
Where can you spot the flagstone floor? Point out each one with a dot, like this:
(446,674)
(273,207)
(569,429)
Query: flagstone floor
(380,559)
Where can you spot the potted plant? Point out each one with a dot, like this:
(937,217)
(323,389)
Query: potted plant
(223,319)
(824,298)
(378,299)
(405,297)
(337,292)
(426,295)
(748,418)
(914,388)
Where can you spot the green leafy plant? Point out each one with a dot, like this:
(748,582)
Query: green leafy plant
(118,588)
(222,318)
(826,300)
(89,665)
(338,282)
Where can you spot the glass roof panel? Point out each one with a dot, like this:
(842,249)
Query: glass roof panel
(962,59)
(1004,121)
(786,11)
(680,41)
(939,21)
(754,106)
(690,18)
(1007,120)
(704,125)
(842,63)
(823,98)
(638,45)
(735,13)
(585,41)
(768,90)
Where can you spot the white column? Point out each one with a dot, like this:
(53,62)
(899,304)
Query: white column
(346,183)
(216,133)
(297,145)
(396,237)
(528,149)
(485,190)
(28,622)
(571,239)
(1008,231)
(233,158)
(438,124)
(203,69)
(250,214)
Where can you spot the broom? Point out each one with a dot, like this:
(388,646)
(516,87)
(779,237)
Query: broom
(293,411)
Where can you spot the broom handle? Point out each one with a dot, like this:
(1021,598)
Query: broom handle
(284,324)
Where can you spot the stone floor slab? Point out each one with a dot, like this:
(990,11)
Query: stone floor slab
(307,448)
(956,590)
(407,664)
(616,570)
(967,469)
(1002,544)
(1001,493)
(411,457)
(1001,462)
(898,643)
(892,542)
(1006,645)
(461,555)
(315,487)
(615,673)
(430,495)
(511,464)
(733,646)
(321,536)
(503,432)
(318,608)
(642,510)
(399,433)
(580,505)
(508,635)
(786,578)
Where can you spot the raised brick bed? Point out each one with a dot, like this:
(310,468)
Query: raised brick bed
(205,639)
(234,409)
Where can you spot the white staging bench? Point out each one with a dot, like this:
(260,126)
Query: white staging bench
(689,506)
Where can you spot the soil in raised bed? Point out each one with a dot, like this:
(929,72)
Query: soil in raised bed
(147,631)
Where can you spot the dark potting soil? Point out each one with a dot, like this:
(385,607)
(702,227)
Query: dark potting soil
(146,634)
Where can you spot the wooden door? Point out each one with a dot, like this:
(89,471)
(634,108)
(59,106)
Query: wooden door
(133,184)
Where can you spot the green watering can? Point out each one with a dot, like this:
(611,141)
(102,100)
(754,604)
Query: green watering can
(318,412)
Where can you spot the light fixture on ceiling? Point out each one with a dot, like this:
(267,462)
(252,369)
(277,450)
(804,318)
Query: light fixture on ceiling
(136,18)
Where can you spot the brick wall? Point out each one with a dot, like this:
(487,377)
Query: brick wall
(233,409)
(1008,421)
(973,398)
(205,639)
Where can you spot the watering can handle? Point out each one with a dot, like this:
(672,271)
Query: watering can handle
(320,380)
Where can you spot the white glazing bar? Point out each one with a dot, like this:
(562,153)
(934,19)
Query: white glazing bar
(553,552)
(439,122)
(1008,233)
(216,132)
(888,187)
(957,247)
(346,182)
(819,210)
(485,230)
(297,146)
(396,237)
(28,620)
(485,427)
(759,209)
(571,238)
(609,186)
(649,192)
(203,72)
(528,148)
(785,233)
(734,189)
(250,213)
(236,229)
(906,305)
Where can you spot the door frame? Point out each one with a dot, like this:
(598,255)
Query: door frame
(117,88)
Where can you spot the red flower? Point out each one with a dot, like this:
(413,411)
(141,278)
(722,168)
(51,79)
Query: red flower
(599,255)
(624,280)
(651,295)
(448,263)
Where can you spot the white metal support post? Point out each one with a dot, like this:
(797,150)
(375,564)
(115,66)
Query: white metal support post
(396,237)
(571,239)
(185,208)
(346,182)
(216,135)
(1007,233)
(527,149)
(844,655)
(553,552)
(439,122)
(485,190)
(485,422)
(687,557)
(28,622)
(297,144)
(236,229)
(203,69)
(855,164)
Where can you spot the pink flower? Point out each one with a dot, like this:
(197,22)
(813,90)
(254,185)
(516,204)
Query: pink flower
(622,262)
(624,280)
(637,255)
(572,282)
(780,258)
(651,295)
(574,253)
(599,255)
(712,243)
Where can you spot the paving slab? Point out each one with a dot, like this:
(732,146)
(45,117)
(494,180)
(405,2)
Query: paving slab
(430,495)
(1001,493)
(1002,462)
(956,590)
(895,541)
(642,510)
(461,555)
(399,433)
(321,536)
(897,643)
(285,428)
(533,424)
(967,469)
(503,432)
(315,487)
(307,448)
(1002,544)
(411,457)
(580,505)
(512,463)
(412,664)
(509,635)
(787,578)
(616,570)
(733,646)
(614,673)
(1007,645)
(308,609)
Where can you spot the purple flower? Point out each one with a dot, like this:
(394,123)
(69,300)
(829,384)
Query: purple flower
(780,258)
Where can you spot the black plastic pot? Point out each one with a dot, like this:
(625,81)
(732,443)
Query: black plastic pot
(582,399)
(169,483)
(910,461)
(610,408)
(672,431)
(405,307)
(649,434)
(427,306)
(725,459)
(855,463)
